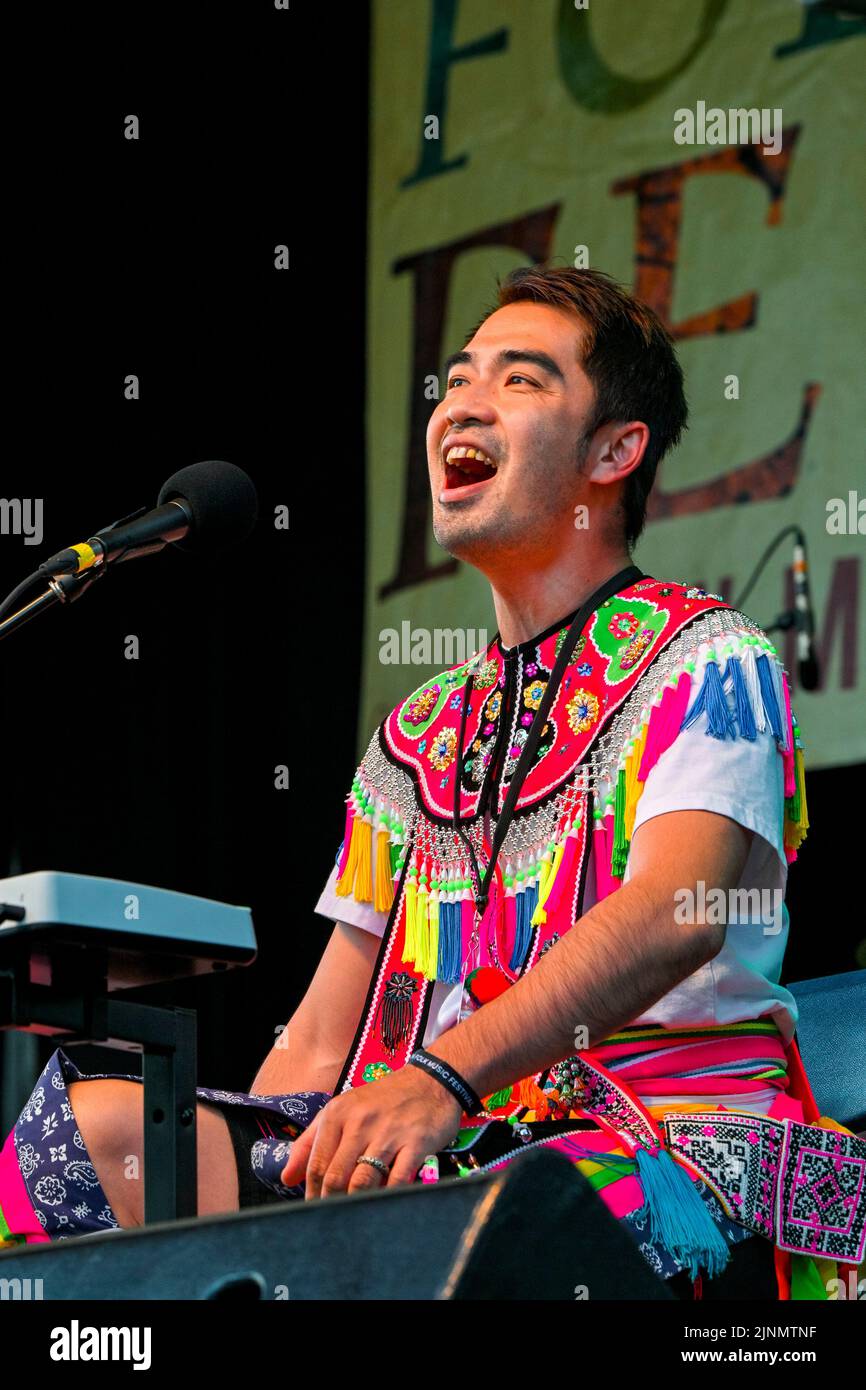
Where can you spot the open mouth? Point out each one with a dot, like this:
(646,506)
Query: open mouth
(466,468)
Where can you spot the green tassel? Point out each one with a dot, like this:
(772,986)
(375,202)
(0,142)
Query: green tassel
(499,1098)
(806,1279)
(619,854)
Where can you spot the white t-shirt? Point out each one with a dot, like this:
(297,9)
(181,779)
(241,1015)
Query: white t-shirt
(736,778)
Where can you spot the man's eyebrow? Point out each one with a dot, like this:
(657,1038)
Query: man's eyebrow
(509,357)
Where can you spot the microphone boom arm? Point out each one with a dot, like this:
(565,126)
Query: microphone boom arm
(66,588)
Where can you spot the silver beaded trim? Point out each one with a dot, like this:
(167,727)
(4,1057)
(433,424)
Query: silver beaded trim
(534,827)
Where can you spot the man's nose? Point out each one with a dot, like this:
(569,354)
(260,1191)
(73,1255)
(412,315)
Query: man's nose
(471,409)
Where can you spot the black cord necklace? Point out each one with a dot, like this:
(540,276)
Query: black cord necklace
(481,885)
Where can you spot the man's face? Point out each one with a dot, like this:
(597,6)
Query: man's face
(523,400)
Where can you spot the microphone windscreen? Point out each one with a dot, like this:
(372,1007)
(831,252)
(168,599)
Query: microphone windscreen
(222,500)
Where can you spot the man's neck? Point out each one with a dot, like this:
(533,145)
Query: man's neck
(529,602)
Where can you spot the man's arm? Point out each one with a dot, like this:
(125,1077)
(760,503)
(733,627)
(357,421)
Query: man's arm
(626,953)
(310,1051)
(623,955)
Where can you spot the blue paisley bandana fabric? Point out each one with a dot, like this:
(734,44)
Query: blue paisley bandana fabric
(61,1180)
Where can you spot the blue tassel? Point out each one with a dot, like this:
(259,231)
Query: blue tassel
(448,954)
(456,945)
(712,700)
(678,1217)
(523,927)
(442,947)
(768,693)
(745,715)
(531,904)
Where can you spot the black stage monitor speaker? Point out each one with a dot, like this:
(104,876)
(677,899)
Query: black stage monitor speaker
(535,1230)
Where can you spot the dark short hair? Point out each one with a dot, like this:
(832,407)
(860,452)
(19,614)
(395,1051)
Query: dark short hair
(629,357)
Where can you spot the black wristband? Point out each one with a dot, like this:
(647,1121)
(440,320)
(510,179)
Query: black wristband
(449,1078)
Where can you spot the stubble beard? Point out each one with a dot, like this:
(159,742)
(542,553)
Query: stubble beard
(479,539)
(472,538)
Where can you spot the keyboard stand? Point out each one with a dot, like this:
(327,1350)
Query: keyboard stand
(81,1011)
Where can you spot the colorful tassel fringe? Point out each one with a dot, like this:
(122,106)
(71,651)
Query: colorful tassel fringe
(440,911)
(366,816)
(761,700)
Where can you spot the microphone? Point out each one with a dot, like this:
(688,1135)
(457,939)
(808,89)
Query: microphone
(203,508)
(807,665)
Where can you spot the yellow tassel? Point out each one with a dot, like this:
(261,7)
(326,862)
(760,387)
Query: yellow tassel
(828,1270)
(545,866)
(554,869)
(633,787)
(795,831)
(539,916)
(347,878)
(384,894)
(421,927)
(364,879)
(432,938)
(409,944)
(422,931)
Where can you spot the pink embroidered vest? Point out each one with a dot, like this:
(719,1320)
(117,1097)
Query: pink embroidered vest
(437,773)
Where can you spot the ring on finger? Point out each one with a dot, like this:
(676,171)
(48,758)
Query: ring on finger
(373,1162)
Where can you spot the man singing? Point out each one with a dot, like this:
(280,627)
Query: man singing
(558,905)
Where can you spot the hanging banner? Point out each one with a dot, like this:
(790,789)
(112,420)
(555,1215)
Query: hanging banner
(706,154)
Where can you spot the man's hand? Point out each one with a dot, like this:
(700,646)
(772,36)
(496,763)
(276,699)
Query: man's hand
(399,1119)
(627,952)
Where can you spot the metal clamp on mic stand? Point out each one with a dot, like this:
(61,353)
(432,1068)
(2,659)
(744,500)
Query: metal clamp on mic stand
(65,588)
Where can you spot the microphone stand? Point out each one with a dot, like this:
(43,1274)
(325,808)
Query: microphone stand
(65,588)
(809,674)
(79,1007)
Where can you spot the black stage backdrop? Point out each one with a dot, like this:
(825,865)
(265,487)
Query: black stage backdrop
(156,257)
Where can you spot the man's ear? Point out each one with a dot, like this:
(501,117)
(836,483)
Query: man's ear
(616,451)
